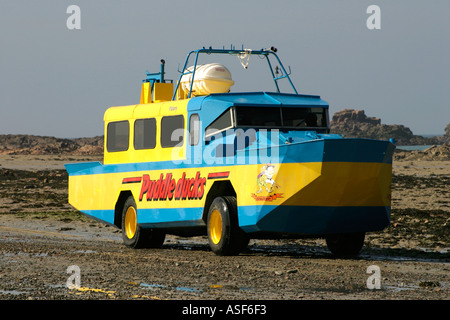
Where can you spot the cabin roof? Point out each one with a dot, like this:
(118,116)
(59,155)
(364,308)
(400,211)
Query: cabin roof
(212,106)
(259,99)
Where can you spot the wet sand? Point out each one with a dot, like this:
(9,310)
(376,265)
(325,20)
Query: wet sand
(41,235)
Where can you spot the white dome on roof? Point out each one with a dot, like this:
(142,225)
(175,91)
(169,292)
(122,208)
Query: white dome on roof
(209,78)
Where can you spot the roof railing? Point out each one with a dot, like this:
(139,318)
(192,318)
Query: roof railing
(263,52)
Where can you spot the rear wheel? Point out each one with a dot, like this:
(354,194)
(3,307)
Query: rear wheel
(133,235)
(346,244)
(224,235)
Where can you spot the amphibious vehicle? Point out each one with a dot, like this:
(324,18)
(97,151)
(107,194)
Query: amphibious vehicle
(194,157)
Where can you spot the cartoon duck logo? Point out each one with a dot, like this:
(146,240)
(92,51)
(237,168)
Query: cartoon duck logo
(265,178)
(265,181)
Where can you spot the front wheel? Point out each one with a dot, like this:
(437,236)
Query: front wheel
(224,235)
(133,235)
(346,244)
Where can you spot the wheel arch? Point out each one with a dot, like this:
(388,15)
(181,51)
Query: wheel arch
(219,188)
(123,196)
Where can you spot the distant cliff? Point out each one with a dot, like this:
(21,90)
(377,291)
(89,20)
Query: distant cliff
(30,144)
(354,123)
(446,136)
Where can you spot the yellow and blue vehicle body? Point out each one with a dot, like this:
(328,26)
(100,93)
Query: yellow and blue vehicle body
(295,179)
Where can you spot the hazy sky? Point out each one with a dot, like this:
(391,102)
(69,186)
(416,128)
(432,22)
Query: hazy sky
(58,82)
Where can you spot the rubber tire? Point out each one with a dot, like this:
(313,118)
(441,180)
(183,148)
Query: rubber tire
(232,240)
(143,237)
(346,244)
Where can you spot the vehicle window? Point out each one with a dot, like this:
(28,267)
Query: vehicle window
(258,117)
(303,117)
(284,117)
(171,136)
(145,133)
(321,115)
(298,117)
(223,122)
(118,134)
(194,129)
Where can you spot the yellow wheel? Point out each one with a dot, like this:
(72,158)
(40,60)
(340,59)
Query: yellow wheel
(130,222)
(215,226)
(224,235)
(133,235)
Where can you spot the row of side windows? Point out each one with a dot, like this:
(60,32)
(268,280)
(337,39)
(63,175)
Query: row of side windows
(118,133)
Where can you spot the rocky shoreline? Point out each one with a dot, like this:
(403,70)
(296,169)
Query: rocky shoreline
(356,124)
(22,144)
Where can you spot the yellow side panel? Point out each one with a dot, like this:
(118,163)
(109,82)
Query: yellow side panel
(333,184)
(341,184)
(143,111)
(94,192)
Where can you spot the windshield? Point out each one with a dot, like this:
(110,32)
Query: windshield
(284,117)
(291,118)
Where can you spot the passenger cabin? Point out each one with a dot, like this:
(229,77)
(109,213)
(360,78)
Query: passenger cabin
(165,123)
